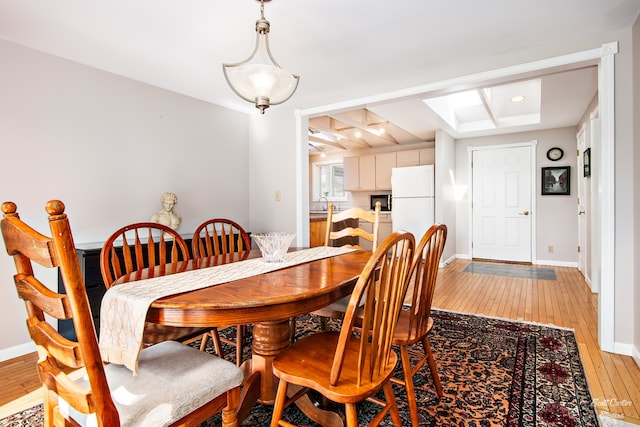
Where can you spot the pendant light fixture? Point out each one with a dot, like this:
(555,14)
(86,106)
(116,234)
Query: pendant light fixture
(259,78)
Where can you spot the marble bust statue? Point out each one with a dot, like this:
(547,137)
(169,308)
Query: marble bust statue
(166,215)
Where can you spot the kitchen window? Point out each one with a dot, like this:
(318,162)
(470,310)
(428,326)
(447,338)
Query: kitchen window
(328,181)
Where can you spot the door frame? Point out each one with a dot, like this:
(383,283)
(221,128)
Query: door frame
(583,243)
(532,203)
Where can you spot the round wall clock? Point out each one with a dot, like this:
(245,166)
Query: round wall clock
(555,154)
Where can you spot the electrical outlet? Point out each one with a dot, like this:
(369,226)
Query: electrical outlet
(550,249)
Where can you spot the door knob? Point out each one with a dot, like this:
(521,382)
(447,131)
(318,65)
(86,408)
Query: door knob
(581,212)
(524,213)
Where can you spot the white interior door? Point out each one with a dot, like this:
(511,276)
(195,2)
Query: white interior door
(502,203)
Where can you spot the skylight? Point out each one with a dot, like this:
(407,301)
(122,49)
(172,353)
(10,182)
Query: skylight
(490,108)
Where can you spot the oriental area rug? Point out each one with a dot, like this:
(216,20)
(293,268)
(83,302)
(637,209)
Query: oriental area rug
(494,373)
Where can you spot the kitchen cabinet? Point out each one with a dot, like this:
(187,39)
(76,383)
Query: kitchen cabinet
(317,230)
(351,167)
(369,172)
(408,158)
(423,156)
(427,156)
(384,163)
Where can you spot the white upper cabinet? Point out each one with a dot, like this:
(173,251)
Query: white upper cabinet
(408,158)
(423,156)
(367,172)
(351,173)
(427,156)
(372,172)
(384,163)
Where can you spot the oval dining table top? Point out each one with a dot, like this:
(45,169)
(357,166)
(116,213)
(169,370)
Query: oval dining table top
(275,295)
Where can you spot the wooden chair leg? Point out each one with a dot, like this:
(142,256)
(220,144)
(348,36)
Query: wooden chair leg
(432,367)
(352,414)
(278,407)
(407,372)
(408,385)
(324,323)
(230,412)
(292,329)
(239,344)
(393,405)
(203,344)
(215,338)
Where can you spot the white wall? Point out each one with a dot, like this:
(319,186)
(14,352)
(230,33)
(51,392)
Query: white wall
(272,167)
(625,216)
(556,220)
(447,191)
(108,147)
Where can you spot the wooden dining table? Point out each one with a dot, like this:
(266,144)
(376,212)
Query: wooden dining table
(268,301)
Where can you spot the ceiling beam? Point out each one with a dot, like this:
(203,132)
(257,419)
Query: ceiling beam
(363,126)
(487,105)
(325,142)
(333,132)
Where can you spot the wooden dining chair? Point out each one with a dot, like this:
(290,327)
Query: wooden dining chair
(348,367)
(339,227)
(147,245)
(175,384)
(220,236)
(415,323)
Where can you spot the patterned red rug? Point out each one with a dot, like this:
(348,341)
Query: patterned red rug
(494,373)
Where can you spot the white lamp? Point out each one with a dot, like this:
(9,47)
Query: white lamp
(259,78)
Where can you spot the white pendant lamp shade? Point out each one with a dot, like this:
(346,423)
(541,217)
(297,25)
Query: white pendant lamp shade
(259,79)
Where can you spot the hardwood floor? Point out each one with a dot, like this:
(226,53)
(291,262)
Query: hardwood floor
(567,302)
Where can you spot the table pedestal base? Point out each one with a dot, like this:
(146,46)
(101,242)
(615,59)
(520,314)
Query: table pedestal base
(269,339)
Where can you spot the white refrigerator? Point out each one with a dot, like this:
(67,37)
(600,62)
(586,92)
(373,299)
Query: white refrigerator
(413,193)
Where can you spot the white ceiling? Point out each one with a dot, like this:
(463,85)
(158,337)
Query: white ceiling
(341,49)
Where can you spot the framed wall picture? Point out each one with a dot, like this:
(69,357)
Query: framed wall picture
(556,180)
(586,162)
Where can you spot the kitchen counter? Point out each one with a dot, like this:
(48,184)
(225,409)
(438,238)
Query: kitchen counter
(316,216)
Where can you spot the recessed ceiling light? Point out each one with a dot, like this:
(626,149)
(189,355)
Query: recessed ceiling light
(517,98)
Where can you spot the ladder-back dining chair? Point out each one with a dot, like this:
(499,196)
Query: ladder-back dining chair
(333,235)
(415,322)
(338,226)
(348,367)
(175,384)
(220,236)
(147,245)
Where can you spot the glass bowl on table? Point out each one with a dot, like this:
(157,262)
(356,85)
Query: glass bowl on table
(274,245)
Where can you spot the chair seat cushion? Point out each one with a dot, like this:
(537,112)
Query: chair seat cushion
(308,361)
(337,309)
(173,380)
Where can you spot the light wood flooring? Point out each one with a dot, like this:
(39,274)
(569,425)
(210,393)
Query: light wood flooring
(567,302)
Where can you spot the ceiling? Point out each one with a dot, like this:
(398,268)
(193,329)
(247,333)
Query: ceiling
(554,100)
(342,50)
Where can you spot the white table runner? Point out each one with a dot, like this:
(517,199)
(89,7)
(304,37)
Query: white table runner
(124,307)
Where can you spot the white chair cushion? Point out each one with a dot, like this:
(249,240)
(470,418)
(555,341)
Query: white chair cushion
(173,380)
(341,305)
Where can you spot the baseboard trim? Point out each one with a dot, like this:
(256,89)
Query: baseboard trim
(556,263)
(17,351)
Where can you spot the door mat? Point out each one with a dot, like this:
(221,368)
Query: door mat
(511,270)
